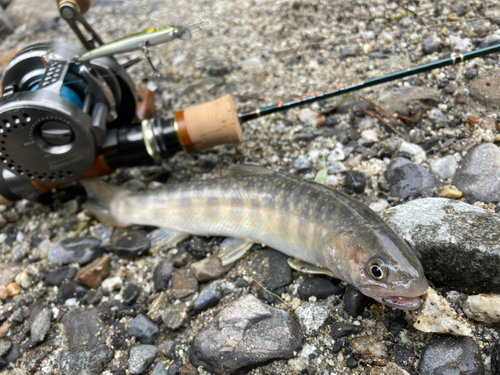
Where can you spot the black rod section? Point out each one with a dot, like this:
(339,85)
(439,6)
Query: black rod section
(344,89)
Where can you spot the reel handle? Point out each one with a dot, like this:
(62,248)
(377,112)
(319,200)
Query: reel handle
(81,5)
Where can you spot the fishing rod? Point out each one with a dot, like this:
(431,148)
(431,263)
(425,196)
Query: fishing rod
(358,85)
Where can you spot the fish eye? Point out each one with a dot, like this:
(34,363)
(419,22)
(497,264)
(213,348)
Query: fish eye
(377,269)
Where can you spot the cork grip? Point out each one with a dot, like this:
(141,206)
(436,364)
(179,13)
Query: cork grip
(206,125)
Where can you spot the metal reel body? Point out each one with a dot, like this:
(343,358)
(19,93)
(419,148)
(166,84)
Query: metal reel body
(55,113)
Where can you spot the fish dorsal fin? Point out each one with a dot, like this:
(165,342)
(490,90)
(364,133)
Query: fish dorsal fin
(301,266)
(248,170)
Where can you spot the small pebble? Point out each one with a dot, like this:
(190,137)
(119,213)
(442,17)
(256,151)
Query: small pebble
(379,206)
(369,135)
(5,345)
(183,283)
(162,274)
(130,294)
(444,167)
(342,329)
(92,274)
(76,250)
(209,269)
(112,283)
(127,243)
(355,301)
(351,362)
(140,358)
(208,297)
(13,289)
(355,181)
(318,287)
(143,329)
(302,163)
(450,192)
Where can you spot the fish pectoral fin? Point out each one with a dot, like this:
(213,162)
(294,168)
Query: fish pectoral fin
(164,239)
(301,266)
(248,170)
(232,249)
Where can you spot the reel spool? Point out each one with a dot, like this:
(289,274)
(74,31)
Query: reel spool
(55,111)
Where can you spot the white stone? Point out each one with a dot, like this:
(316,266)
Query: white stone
(112,283)
(417,152)
(308,117)
(444,167)
(332,181)
(369,135)
(379,206)
(336,155)
(70,302)
(436,315)
(458,44)
(23,279)
(484,308)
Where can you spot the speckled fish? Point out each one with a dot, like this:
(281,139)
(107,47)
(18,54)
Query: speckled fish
(329,231)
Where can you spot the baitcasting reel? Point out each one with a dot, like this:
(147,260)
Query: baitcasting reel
(64,117)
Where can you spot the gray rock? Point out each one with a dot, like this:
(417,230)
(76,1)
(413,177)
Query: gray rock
(20,251)
(160,369)
(444,167)
(209,269)
(313,316)
(127,243)
(270,268)
(40,325)
(486,90)
(451,355)
(162,274)
(183,283)
(168,349)
(350,50)
(140,357)
(5,345)
(142,328)
(437,116)
(342,329)
(14,353)
(131,293)
(302,163)
(471,73)
(417,135)
(85,360)
(477,177)
(490,40)
(174,315)
(430,45)
(407,178)
(76,250)
(246,333)
(399,100)
(8,272)
(83,327)
(6,27)
(209,297)
(457,243)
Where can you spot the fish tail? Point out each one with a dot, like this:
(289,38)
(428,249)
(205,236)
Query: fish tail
(100,198)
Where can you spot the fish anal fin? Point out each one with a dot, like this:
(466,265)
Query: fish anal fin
(311,269)
(232,249)
(248,170)
(164,239)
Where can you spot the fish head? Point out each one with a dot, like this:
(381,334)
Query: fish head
(380,264)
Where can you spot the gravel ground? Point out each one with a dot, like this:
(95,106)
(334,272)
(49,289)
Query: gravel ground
(262,52)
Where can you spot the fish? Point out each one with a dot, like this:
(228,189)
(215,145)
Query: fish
(325,230)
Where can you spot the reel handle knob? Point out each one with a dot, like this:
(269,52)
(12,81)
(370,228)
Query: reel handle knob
(81,5)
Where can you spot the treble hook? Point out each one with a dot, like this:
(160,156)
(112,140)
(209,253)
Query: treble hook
(203,24)
(147,56)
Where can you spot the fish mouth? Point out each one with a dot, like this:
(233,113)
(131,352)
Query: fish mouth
(402,303)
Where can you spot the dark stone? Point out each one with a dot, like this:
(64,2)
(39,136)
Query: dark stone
(127,243)
(477,176)
(71,289)
(3,363)
(140,358)
(430,45)
(105,312)
(415,81)
(162,274)
(55,278)
(407,179)
(450,88)
(448,255)
(403,154)
(270,268)
(257,332)
(431,142)
(351,362)
(471,73)
(208,297)
(403,356)
(318,287)
(241,283)
(119,341)
(397,324)
(198,248)
(14,353)
(93,296)
(34,358)
(451,355)
(143,328)
(342,329)
(495,358)
(215,67)
(337,346)
(80,250)
(331,120)
(355,181)
(355,301)
(266,296)
(307,135)
(131,293)
(85,360)
(168,349)
(83,327)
